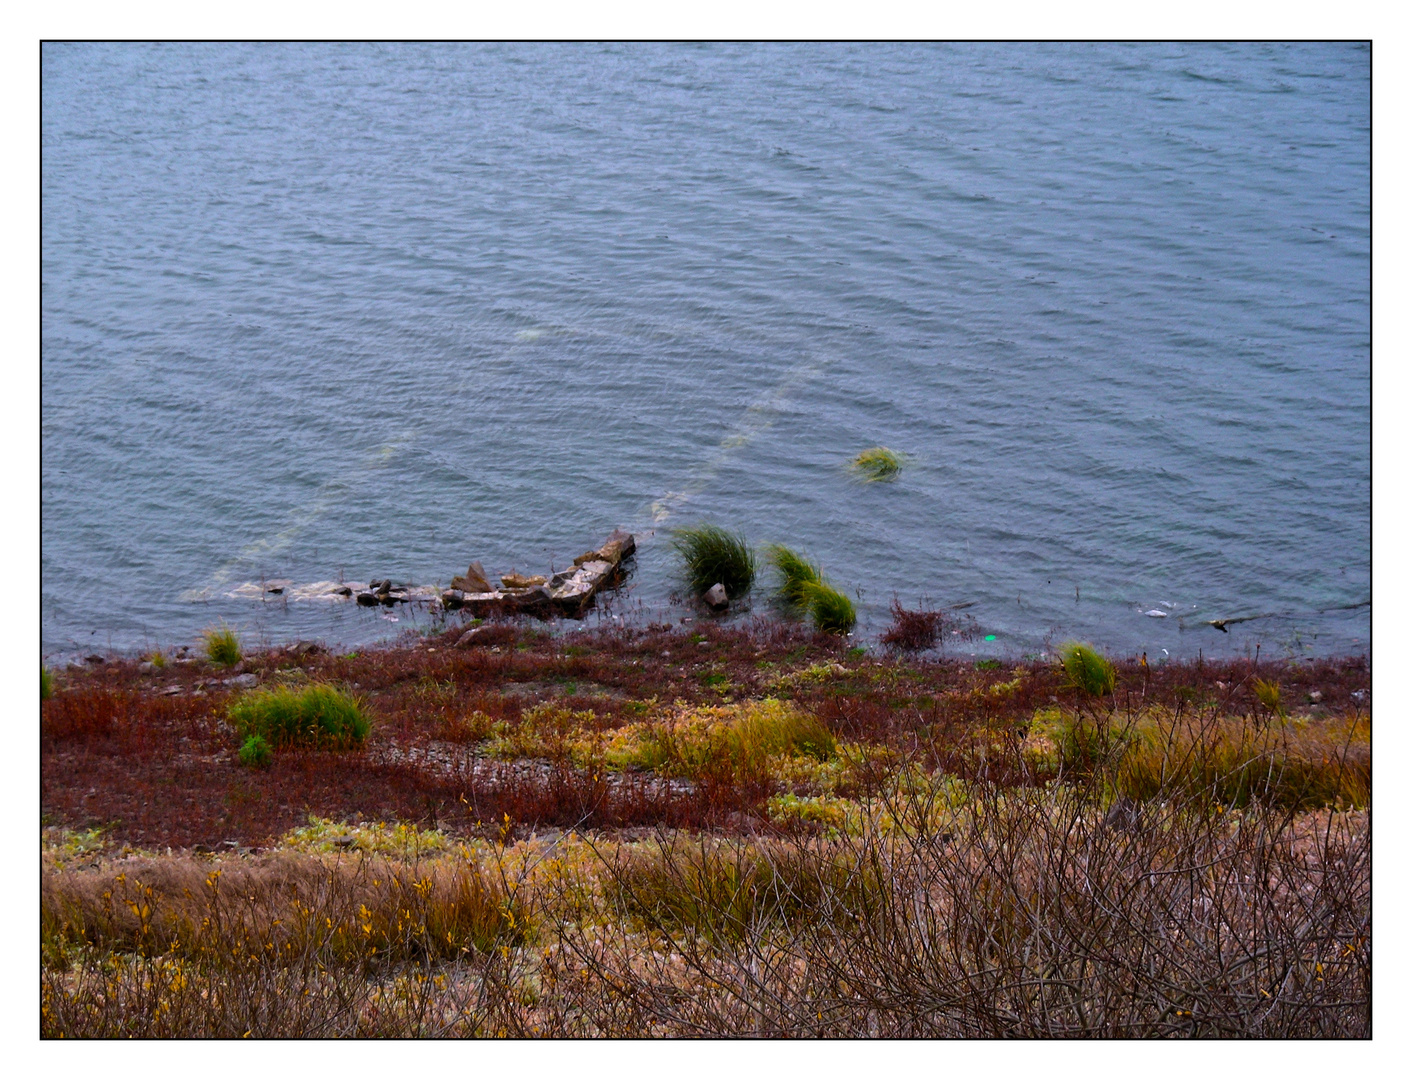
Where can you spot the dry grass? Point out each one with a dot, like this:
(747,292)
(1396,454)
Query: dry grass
(1230,760)
(1020,917)
(1001,914)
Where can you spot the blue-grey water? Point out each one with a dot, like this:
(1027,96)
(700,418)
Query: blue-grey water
(366,310)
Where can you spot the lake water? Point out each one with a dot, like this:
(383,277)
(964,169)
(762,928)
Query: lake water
(377,311)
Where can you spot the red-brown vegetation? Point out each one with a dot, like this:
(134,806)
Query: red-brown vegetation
(151,756)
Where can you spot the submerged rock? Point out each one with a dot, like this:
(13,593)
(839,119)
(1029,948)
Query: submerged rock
(325,590)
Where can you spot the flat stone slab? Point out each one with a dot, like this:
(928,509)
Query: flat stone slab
(569,592)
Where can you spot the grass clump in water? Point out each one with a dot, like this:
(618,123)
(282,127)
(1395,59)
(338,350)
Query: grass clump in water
(713,555)
(803,588)
(222,646)
(831,610)
(878,463)
(46,684)
(796,572)
(316,716)
(1088,670)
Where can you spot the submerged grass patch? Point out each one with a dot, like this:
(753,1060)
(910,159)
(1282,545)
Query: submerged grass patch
(878,463)
(712,555)
(803,588)
(796,572)
(318,716)
(831,610)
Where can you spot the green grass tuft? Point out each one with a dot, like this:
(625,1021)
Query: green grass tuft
(1088,669)
(796,571)
(1268,694)
(256,753)
(712,555)
(222,646)
(316,716)
(737,740)
(46,684)
(778,728)
(831,610)
(879,463)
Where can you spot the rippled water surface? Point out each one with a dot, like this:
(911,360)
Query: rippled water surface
(320,310)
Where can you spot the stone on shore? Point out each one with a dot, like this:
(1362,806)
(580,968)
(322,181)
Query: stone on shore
(569,592)
(473,580)
(469,637)
(615,549)
(520,581)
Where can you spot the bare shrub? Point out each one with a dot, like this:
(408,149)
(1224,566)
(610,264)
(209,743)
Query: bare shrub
(1019,914)
(913,631)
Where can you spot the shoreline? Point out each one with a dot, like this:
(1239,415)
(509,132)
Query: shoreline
(421,625)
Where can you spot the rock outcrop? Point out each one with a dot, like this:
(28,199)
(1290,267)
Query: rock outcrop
(472,581)
(385,593)
(569,592)
(521,581)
